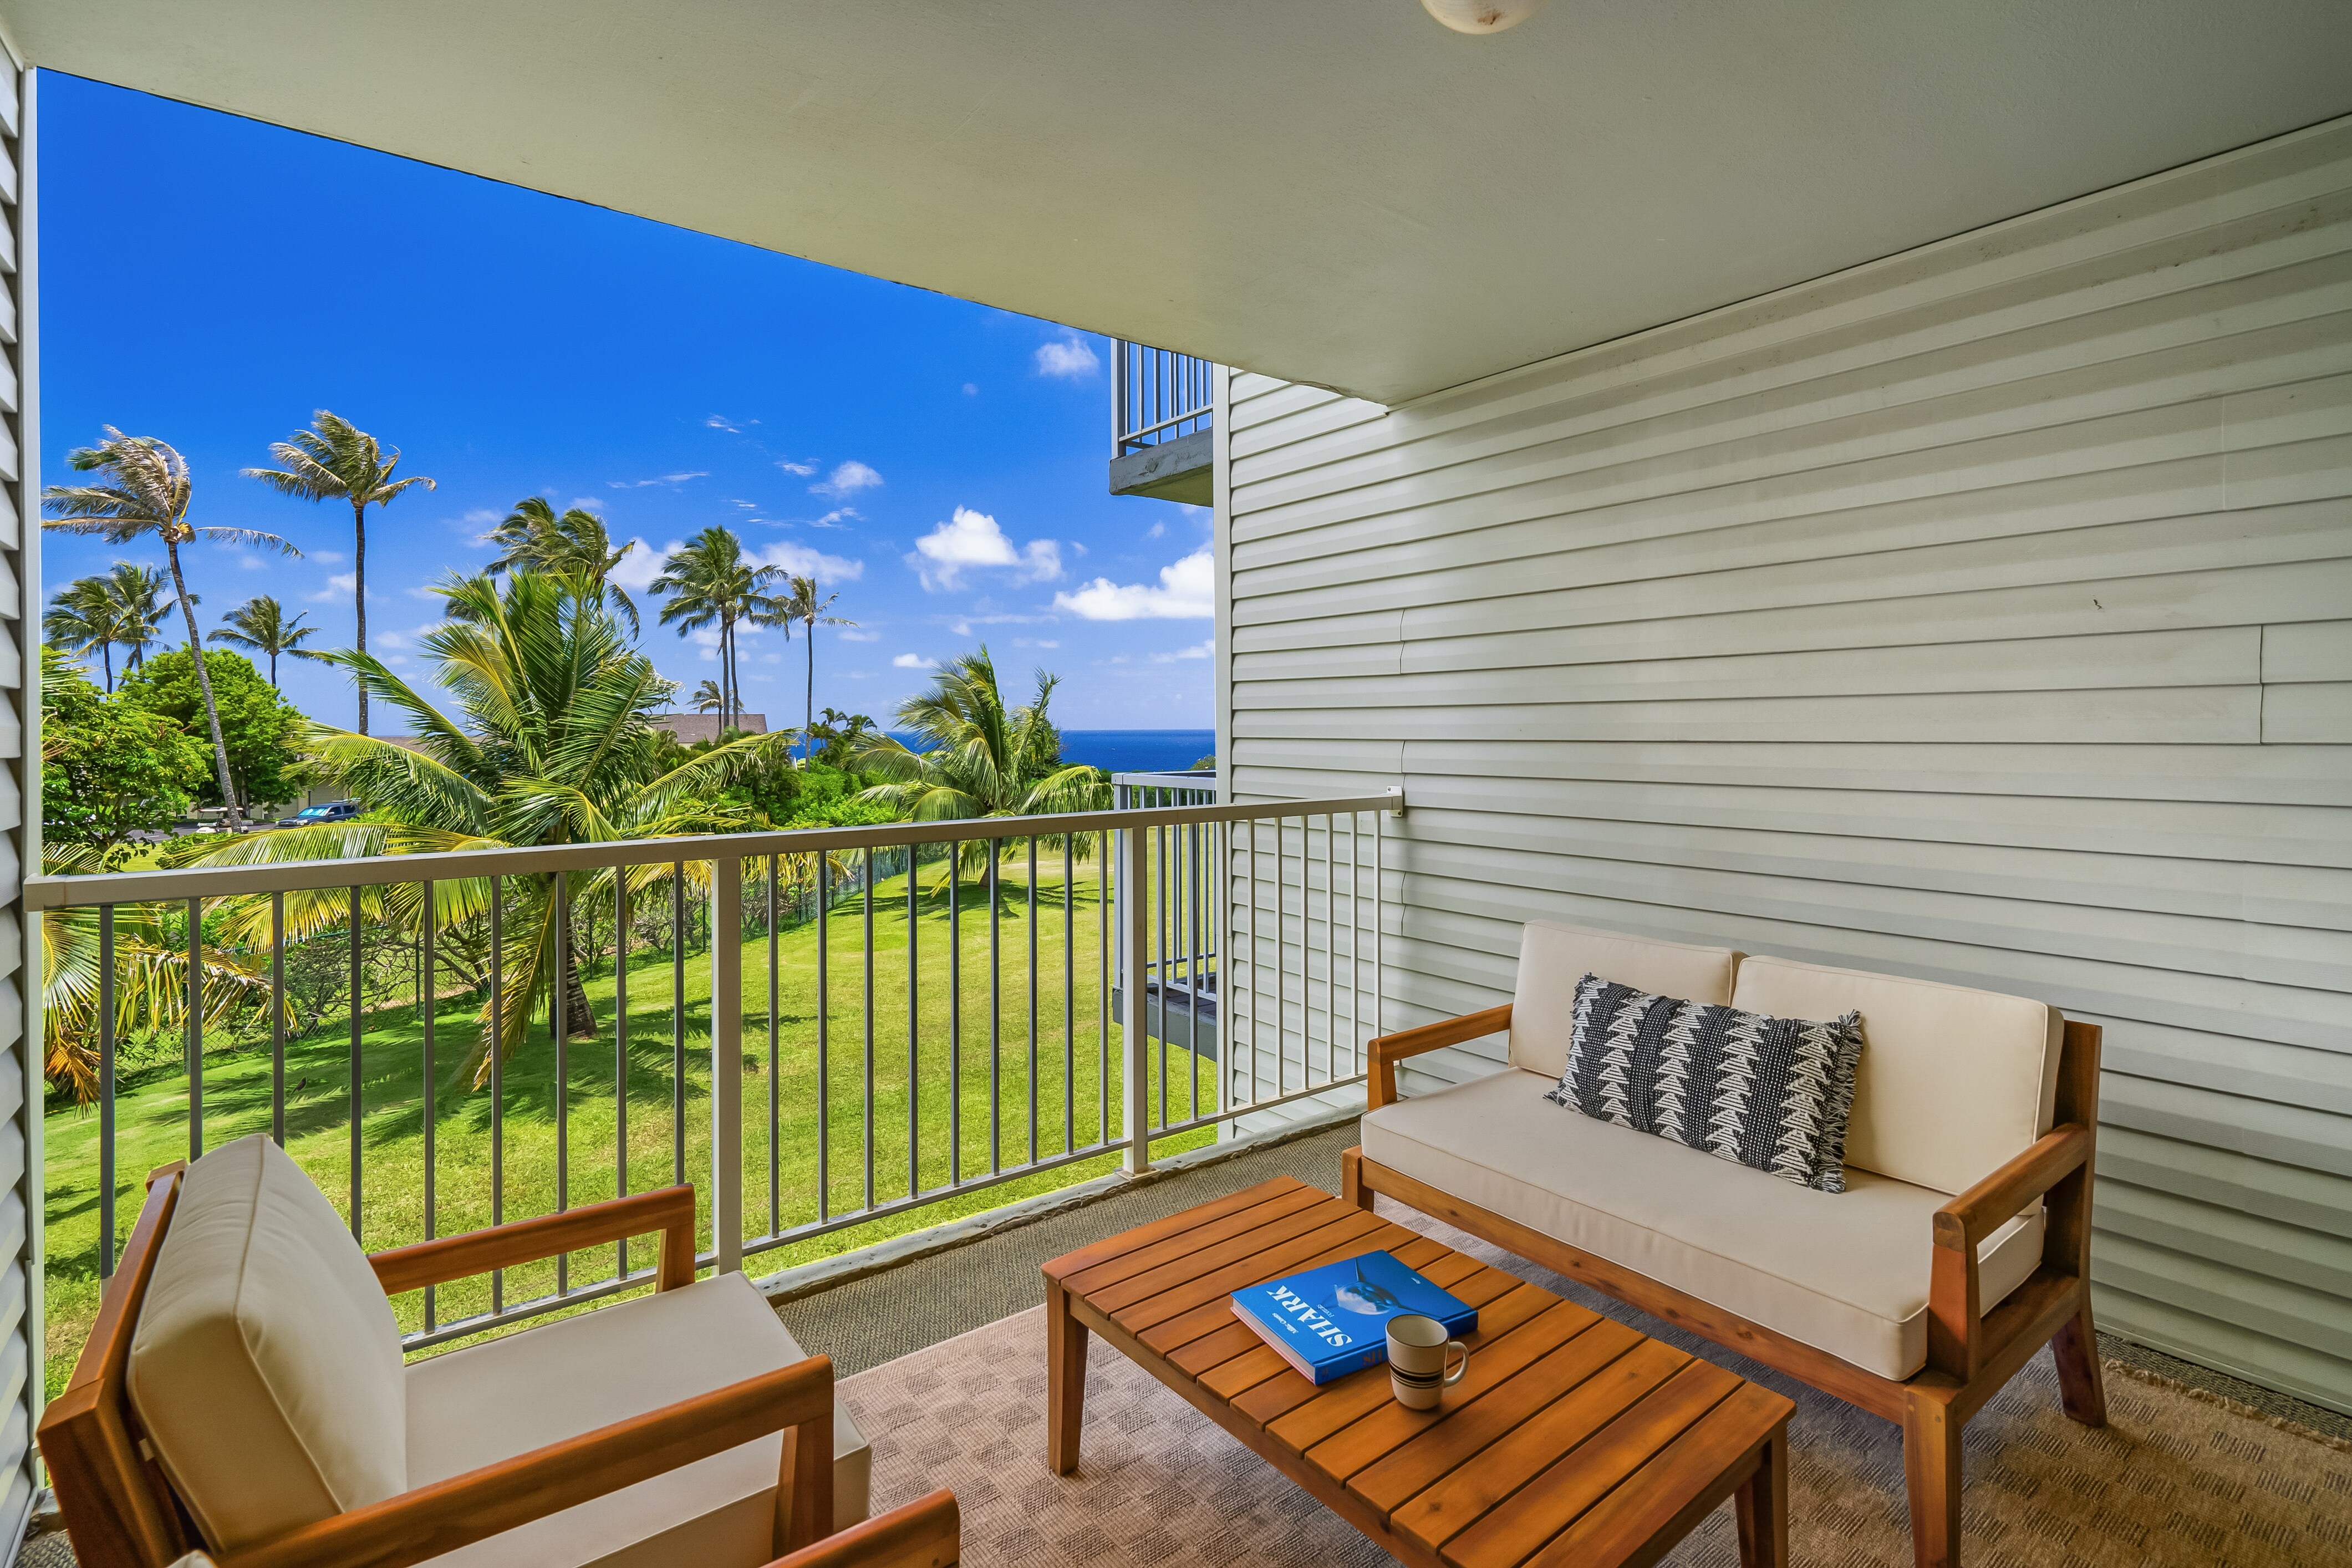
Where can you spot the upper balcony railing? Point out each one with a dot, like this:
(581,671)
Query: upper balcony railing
(905,1015)
(1157,395)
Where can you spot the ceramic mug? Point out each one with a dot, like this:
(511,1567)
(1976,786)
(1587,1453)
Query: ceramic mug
(1418,1352)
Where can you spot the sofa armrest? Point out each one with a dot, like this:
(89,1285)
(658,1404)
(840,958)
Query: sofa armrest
(669,1210)
(1955,1314)
(1390,1049)
(925,1533)
(425,1524)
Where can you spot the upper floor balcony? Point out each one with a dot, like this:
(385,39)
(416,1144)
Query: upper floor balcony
(1162,406)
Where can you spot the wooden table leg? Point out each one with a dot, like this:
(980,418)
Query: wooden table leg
(1066,1379)
(1762,1504)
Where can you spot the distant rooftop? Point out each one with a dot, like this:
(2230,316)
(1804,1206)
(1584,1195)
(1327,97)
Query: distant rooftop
(691,728)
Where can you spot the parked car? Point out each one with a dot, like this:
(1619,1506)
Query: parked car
(314,816)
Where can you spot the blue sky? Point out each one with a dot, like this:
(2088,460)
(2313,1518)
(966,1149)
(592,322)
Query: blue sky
(210,280)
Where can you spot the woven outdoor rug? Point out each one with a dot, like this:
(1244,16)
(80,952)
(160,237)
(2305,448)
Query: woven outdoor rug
(2176,1477)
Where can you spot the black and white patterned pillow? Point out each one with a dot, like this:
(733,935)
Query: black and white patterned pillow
(1772,1093)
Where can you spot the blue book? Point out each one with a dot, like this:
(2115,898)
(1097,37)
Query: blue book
(1332,1321)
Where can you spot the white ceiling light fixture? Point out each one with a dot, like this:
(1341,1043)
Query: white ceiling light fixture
(1482,15)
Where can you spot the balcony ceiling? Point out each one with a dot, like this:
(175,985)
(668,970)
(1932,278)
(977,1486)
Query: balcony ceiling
(1330,191)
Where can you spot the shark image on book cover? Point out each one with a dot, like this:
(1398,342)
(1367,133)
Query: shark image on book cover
(1332,1321)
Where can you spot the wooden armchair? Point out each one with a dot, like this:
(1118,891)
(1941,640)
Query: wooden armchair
(157,1445)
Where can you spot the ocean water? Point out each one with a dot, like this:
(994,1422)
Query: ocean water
(1137,750)
(1123,751)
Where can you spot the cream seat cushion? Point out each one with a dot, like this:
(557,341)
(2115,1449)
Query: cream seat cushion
(266,1365)
(1553,958)
(507,1397)
(1954,1083)
(1846,1273)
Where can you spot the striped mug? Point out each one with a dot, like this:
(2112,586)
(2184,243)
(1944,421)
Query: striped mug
(1418,1352)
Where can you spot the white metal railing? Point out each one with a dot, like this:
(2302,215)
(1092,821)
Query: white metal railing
(1244,972)
(1156,395)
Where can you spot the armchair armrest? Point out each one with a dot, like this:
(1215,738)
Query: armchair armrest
(669,1210)
(1955,1312)
(925,1533)
(1390,1049)
(430,1520)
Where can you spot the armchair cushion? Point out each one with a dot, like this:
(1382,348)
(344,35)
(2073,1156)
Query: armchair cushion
(1553,958)
(507,1397)
(266,1365)
(1847,1274)
(1955,1082)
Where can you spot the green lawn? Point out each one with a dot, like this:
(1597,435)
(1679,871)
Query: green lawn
(152,1114)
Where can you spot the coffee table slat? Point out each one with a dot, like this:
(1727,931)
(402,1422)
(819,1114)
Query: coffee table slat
(1143,1236)
(1090,1281)
(1341,1403)
(1656,1498)
(1213,1255)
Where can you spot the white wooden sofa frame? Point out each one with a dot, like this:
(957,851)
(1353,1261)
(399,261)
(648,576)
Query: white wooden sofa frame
(1970,1352)
(120,1510)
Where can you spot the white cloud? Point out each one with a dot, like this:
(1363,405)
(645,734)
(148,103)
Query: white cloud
(1187,592)
(801,471)
(969,390)
(1207,648)
(854,634)
(339,586)
(914,661)
(324,557)
(720,422)
(834,518)
(1066,357)
(642,564)
(960,627)
(801,562)
(482,514)
(1036,642)
(1155,530)
(253,563)
(846,480)
(973,539)
(641,484)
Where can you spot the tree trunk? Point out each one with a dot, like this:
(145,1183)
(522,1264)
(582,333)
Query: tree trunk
(573,1014)
(808,707)
(231,815)
(106,652)
(359,592)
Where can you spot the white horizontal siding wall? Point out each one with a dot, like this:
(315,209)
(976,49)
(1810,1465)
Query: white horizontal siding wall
(1983,614)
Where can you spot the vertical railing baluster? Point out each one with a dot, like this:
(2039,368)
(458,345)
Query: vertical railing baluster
(1252,965)
(278,1018)
(678,1022)
(106,1091)
(823,1037)
(1191,862)
(727,1065)
(1282,970)
(1102,985)
(1330,961)
(995,1014)
(914,1028)
(1221,888)
(1033,998)
(1355,947)
(1158,972)
(1380,925)
(1069,993)
(775,1102)
(559,1009)
(196,1030)
(498,1048)
(1135,957)
(427,1005)
(868,1098)
(955,1013)
(621,1056)
(358,958)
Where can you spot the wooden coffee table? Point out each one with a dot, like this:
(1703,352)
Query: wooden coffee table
(1573,1439)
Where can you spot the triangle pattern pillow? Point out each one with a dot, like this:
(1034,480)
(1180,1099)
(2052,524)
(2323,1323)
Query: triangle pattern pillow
(1772,1093)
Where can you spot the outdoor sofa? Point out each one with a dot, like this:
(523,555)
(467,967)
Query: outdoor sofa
(1958,1250)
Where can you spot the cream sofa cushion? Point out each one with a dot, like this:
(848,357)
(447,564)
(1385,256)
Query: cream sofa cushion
(1954,1083)
(507,1397)
(1846,1273)
(1553,958)
(266,1365)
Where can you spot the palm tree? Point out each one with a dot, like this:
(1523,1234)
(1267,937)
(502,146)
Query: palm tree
(138,593)
(260,626)
(151,978)
(706,581)
(553,746)
(532,535)
(708,697)
(982,760)
(84,618)
(335,460)
(147,493)
(802,602)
